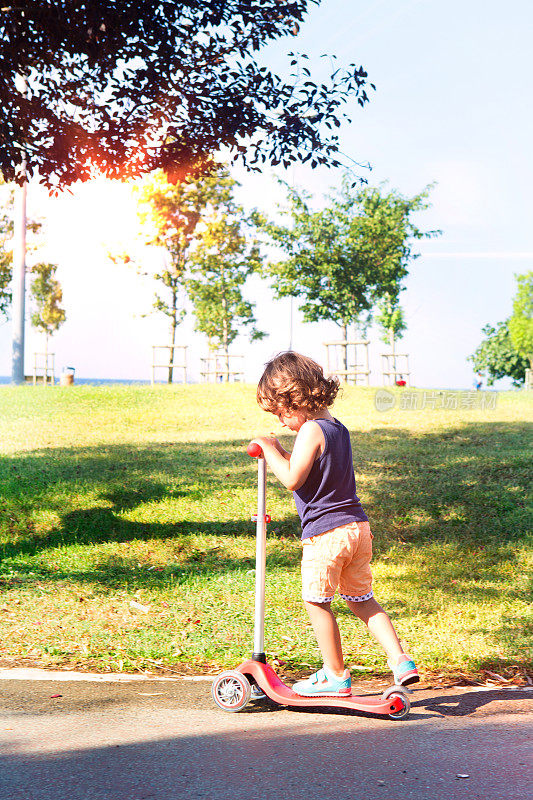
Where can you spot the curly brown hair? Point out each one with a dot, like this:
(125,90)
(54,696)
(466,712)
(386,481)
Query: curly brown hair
(292,382)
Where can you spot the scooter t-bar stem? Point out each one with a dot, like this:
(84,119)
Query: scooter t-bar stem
(255,451)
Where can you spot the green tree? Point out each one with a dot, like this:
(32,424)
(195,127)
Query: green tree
(496,356)
(47,295)
(392,321)
(220,264)
(342,260)
(171,216)
(521,322)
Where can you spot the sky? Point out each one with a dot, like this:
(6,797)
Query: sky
(452,106)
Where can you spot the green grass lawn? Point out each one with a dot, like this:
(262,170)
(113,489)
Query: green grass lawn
(126,541)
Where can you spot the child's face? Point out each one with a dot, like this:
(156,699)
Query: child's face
(291,419)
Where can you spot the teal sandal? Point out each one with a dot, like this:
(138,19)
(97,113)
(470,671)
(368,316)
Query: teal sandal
(405,672)
(325,684)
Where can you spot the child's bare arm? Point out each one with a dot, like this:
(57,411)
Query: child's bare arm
(275,442)
(293,468)
(271,441)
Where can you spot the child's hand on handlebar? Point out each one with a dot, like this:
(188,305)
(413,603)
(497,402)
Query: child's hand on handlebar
(268,441)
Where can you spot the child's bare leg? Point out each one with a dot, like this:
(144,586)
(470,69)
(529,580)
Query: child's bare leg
(327,635)
(379,625)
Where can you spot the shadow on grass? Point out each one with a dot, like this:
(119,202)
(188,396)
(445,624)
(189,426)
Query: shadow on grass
(121,478)
(115,571)
(466,485)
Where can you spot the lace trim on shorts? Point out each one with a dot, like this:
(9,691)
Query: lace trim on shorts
(318,599)
(357,599)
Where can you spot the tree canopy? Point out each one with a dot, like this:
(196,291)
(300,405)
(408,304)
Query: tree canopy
(128,86)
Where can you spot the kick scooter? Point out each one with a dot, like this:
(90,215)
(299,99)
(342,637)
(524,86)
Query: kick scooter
(232,689)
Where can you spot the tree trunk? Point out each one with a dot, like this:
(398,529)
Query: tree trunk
(174,325)
(46,360)
(392,344)
(225,335)
(344,329)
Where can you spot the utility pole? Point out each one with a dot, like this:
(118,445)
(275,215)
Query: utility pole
(19,266)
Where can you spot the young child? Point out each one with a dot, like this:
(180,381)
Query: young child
(337,542)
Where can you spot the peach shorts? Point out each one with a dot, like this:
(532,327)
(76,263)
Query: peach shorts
(339,558)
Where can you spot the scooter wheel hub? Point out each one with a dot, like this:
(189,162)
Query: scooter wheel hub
(231,690)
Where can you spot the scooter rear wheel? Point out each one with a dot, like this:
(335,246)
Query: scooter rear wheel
(231,690)
(393,692)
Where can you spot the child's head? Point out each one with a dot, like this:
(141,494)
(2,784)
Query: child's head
(294,383)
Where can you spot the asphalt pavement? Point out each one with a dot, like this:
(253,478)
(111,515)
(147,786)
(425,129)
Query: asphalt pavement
(166,740)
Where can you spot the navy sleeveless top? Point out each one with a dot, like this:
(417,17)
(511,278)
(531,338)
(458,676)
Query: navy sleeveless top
(327,499)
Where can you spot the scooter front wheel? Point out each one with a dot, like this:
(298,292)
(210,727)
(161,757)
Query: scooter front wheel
(231,690)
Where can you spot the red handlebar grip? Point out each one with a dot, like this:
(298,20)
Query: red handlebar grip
(254,450)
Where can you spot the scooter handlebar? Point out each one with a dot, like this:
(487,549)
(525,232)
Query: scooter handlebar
(255,450)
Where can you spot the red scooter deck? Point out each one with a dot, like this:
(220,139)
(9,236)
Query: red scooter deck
(276,690)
